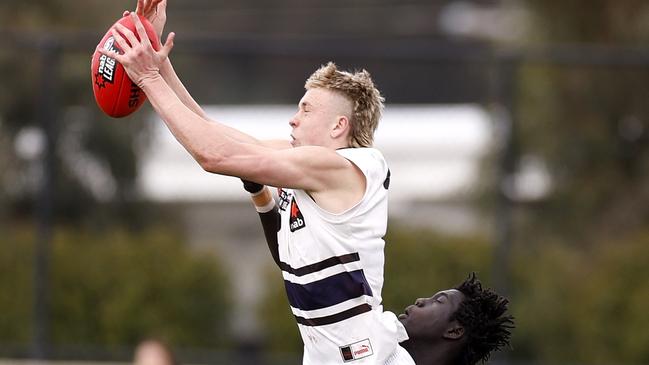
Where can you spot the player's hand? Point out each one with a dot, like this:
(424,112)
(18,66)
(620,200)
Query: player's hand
(155,11)
(140,60)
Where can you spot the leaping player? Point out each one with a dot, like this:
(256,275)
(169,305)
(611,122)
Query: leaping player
(333,191)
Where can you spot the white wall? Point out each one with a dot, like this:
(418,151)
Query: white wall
(432,151)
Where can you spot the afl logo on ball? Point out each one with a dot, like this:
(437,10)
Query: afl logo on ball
(107,65)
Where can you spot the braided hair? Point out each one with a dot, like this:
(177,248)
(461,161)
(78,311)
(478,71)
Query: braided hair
(482,314)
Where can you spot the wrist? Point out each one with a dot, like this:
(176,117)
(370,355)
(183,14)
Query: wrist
(252,187)
(149,80)
(264,202)
(166,68)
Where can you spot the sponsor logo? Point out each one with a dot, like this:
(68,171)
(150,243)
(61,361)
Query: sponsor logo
(107,66)
(363,350)
(356,351)
(296,220)
(346,353)
(284,199)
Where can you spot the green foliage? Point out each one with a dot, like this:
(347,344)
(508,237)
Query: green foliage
(86,139)
(590,124)
(282,332)
(58,15)
(589,21)
(16,258)
(583,306)
(592,131)
(114,289)
(418,263)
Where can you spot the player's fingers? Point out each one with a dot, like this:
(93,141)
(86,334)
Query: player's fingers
(139,27)
(146,9)
(162,8)
(112,54)
(140,7)
(123,44)
(169,44)
(151,6)
(132,39)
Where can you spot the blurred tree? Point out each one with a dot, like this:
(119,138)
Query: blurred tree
(16,258)
(583,306)
(418,263)
(95,158)
(114,289)
(589,123)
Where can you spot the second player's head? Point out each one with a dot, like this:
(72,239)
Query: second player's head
(339,109)
(464,324)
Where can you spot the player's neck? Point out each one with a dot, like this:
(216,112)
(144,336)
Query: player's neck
(425,354)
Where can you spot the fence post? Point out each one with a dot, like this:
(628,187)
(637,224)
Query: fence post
(49,52)
(505,115)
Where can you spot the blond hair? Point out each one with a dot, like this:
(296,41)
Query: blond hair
(359,88)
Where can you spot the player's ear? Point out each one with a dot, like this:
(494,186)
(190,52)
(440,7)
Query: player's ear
(341,126)
(454,332)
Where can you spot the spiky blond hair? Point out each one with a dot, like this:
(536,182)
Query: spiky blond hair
(359,88)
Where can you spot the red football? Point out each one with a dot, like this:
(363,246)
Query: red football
(114,91)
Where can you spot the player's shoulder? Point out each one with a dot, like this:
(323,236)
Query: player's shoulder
(368,159)
(313,154)
(362,152)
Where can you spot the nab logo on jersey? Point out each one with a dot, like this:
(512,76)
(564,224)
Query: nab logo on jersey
(296,220)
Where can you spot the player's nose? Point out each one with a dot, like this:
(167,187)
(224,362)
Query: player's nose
(408,309)
(294,121)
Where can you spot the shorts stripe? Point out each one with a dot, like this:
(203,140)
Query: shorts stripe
(329,291)
(334,318)
(318,266)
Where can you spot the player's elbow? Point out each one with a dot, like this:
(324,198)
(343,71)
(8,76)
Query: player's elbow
(210,162)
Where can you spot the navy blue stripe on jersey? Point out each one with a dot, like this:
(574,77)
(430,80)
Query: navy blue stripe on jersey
(328,291)
(334,318)
(308,269)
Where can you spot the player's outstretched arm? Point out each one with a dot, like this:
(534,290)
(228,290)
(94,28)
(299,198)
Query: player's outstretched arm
(216,148)
(143,64)
(268,214)
(156,12)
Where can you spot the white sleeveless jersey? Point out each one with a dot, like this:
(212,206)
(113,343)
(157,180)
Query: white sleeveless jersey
(332,265)
(400,356)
